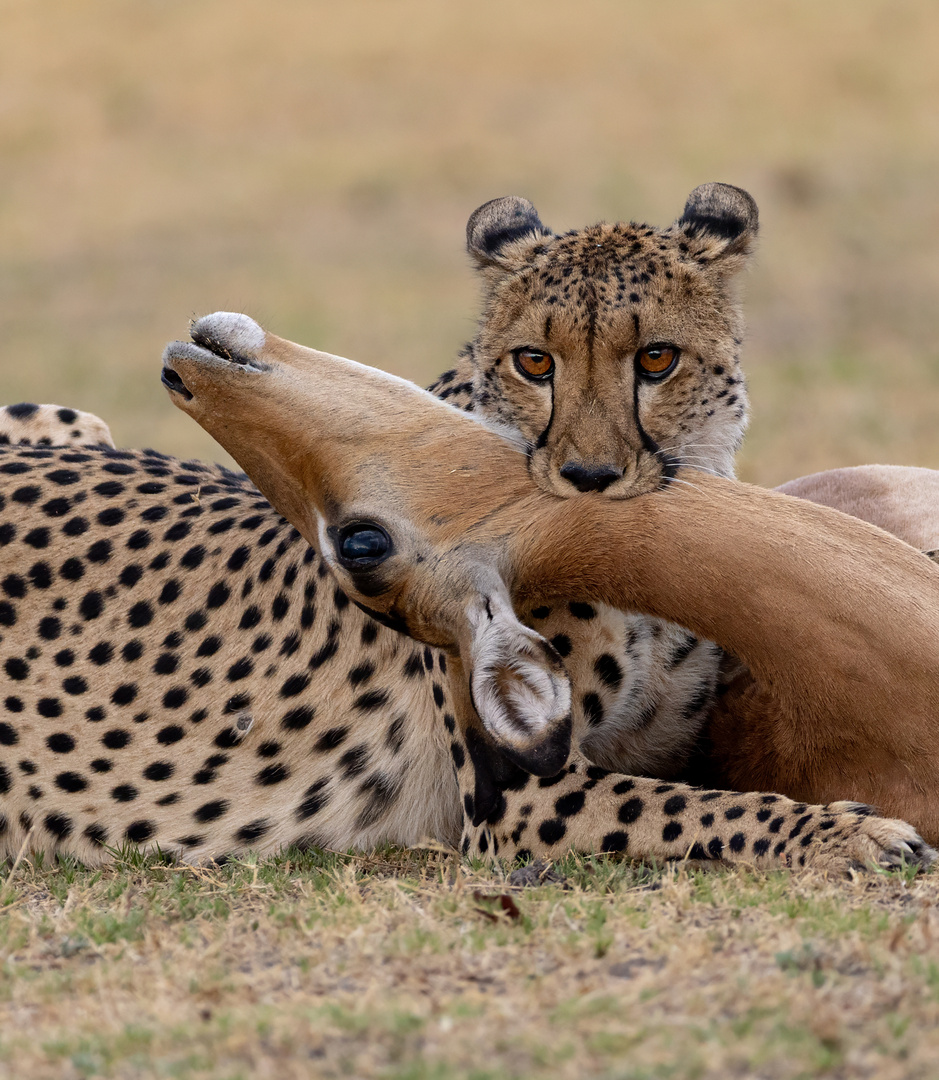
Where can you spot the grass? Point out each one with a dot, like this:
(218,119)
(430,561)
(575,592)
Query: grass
(412,964)
(314,164)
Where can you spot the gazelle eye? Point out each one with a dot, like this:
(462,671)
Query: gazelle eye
(363,545)
(657,361)
(533,364)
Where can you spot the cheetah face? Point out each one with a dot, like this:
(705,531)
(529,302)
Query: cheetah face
(613,350)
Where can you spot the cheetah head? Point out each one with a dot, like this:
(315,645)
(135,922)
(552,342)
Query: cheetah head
(613,350)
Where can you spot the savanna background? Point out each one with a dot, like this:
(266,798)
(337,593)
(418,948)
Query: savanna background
(313,164)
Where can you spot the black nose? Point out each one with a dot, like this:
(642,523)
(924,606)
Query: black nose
(586,479)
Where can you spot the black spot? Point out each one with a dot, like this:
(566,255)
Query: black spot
(60,743)
(175,698)
(609,671)
(254,830)
(562,644)
(329,740)
(139,831)
(593,709)
(16,668)
(294,685)
(734,812)
(124,694)
(71,781)
(218,595)
(614,842)
(37,538)
(141,614)
(97,834)
(101,765)
(170,592)
(582,611)
(552,830)
(159,770)
(211,811)
(314,799)
(630,811)
(59,825)
(8,735)
(124,793)
(413,666)
(268,749)
(675,804)
(272,774)
(170,734)
(570,804)
(672,831)
(101,653)
(297,719)
(49,707)
(27,495)
(14,586)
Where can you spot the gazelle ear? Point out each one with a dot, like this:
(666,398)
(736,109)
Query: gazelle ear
(495,230)
(518,686)
(724,220)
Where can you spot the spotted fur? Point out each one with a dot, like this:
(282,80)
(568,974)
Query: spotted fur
(180,670)
(27,424)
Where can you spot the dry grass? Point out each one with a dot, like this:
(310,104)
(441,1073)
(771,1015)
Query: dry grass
(407,965)
(313,164)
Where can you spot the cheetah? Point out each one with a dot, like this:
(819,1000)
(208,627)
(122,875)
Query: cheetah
(182,671)
(613,353)
(430,522)
(27,424)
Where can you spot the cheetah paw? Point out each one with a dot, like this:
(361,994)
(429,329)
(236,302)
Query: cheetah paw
(866,840)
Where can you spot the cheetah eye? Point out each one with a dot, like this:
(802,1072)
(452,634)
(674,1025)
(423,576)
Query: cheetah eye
(534,364)
(658,360)
(363,545)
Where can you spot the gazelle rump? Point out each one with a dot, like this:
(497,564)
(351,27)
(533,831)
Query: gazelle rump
(837,620)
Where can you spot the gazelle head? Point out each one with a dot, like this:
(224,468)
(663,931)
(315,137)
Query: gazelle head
(356,459)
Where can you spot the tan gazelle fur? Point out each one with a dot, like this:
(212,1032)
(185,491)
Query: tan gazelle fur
(837,620)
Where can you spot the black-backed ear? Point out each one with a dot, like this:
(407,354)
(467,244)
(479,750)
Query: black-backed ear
(724,219)
(497,224)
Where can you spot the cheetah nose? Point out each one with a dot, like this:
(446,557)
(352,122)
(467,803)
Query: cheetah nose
(172,381)
(587,479)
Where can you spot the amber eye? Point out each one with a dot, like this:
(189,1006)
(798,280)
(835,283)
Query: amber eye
(534,364)
(657,361)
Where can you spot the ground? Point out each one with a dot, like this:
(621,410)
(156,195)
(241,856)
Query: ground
(416,965)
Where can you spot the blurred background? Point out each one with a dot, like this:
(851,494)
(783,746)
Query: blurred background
(314,164)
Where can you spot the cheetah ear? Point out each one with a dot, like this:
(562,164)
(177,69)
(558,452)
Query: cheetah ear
(723,219)
(495,231)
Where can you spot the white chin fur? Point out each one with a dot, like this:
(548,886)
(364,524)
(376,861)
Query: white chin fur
(517,694)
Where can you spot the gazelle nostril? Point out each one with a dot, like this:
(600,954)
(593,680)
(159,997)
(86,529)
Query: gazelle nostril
(172,381)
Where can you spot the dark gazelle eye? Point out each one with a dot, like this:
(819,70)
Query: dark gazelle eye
(363,545)
(657,361)
(534,364)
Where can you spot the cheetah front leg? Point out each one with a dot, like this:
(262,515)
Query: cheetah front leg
(510,813)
